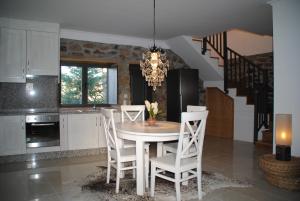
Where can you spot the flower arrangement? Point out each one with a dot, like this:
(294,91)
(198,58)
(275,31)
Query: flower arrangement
(152,109)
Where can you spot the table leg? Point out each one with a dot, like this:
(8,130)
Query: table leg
(140,166)
(159,149)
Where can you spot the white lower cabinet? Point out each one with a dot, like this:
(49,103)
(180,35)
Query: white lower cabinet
(12,135)
(63,130)
(102,137)
(83,131)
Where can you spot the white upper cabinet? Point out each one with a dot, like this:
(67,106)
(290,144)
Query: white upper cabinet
(12,55)
(42,53)
(28,48)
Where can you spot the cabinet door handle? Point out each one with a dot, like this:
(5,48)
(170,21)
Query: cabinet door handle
(96,120)
(23,124)
(27,66)
(23,74)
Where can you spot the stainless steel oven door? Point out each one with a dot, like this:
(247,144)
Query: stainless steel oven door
(42,134)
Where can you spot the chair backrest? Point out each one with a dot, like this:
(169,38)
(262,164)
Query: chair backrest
(108,123)
(132,113)
(195,108)
(191,137)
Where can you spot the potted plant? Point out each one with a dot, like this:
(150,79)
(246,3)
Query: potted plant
(152,109)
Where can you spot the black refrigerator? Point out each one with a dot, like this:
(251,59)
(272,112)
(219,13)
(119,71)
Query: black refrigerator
(182,90)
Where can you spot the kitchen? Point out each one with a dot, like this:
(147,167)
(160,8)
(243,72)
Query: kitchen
(31,99)
(52,55)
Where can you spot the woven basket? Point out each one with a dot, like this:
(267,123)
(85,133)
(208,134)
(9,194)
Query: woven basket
(288,183)
(283,174)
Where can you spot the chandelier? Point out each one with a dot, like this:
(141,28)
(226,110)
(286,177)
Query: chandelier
(154,64)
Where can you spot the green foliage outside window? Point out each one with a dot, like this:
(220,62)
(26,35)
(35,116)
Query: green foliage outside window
(97,85)
(83,84)
(71,85)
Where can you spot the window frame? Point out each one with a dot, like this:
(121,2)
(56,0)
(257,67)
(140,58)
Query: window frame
(84,87)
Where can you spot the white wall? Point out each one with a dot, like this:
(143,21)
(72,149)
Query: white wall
(247,43)
(286,33)
(110,38)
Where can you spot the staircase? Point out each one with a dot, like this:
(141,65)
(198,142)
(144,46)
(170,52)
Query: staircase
(249,84)
(249,80)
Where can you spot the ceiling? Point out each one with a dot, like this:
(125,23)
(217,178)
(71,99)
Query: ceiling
(135,17)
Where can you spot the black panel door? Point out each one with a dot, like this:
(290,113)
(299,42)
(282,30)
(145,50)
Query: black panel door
(139,89)
(182,90)
(173,96)
(189,88)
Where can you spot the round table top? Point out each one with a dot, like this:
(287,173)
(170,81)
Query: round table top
(149,133)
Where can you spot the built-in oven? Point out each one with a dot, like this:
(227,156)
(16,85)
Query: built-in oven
(42,130)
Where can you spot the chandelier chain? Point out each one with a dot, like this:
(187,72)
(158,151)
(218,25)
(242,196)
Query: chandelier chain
(154,27)
(154,64)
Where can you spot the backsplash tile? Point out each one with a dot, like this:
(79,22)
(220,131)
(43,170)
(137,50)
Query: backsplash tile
(14,96)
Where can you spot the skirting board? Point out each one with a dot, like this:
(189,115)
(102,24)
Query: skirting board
(51,155)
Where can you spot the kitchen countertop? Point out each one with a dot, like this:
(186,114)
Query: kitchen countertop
(71,110)
(84,110)
(11,112)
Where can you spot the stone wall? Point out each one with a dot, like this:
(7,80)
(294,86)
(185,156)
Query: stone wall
(123,55)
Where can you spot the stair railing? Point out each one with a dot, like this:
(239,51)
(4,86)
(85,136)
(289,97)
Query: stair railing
(243,74)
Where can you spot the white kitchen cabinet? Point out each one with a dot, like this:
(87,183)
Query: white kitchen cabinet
(42,53)
(101,134)
(83,131)
(12,55)
(63,129)
(28,48)
(12,135)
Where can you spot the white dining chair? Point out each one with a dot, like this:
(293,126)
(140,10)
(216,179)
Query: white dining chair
(116,155)
(186,160)
(133,113)
(172,146)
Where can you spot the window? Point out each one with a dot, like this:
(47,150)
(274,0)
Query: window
(88,84)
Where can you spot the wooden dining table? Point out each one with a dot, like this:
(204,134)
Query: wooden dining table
(141,132)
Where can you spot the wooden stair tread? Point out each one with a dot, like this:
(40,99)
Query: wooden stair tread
(263,144)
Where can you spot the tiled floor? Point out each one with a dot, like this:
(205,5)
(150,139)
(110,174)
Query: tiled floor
(53,180)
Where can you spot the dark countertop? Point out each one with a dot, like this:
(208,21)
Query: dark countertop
(11,112)
(73,110)
(84,110)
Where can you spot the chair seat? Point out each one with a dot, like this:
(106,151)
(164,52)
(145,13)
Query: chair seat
(172,147)
(126,154)
(167,162)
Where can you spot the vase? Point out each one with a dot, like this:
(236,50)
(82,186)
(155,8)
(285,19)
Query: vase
(151,121)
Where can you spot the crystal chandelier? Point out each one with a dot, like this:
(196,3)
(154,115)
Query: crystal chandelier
(154,64)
